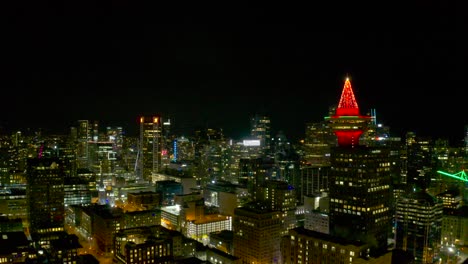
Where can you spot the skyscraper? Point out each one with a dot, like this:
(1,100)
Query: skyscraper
(319,137)
(280,196)
(260,128)
(150,147)
(360,179)
(83,136)
(418,225)
(257,233)
(45,195)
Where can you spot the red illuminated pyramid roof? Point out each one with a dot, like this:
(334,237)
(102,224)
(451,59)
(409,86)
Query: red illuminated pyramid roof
(348,105)
(347,124)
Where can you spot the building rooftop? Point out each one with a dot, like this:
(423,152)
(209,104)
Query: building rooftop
(172,209)
(104,211)
(422,196)
(223,254)
(255,208)
(210,218)
(191,260)
(322,236)
(460,212)
(150,231)
(223,234)
(10,241)
(68,242)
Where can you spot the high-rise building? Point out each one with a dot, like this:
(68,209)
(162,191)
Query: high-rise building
(13,203)
(168,190)
(150,147)
(149,244)
(257,233)
(95,131)
(116,136)
(360,180)
(65,249)
(223,195)
(418,163)
(167,151)
(210,151)
(280,196)
(260,128)
(314,181)
(361,196)
(45,195)
(106,221)
(182,149)
(306,246)
(466,140)
(77,191)
(83,136)
(102,157)
(319,138)
(418,225)
(455,227)
(15,248)
(254,173)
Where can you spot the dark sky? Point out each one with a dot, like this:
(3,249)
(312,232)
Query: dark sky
(217,65)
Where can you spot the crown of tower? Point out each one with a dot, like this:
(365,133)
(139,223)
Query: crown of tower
(347,123)
(347,105)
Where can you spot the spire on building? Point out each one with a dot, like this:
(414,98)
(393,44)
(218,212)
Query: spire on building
(347,124)
(347,105)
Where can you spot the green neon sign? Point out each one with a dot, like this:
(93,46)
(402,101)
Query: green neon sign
(459,176)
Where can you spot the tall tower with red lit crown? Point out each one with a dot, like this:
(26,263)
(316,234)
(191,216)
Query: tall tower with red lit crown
(359,181)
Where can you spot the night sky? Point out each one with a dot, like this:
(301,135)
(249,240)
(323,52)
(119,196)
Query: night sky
(216,66)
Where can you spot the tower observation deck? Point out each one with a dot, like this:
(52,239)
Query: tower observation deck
(347,123)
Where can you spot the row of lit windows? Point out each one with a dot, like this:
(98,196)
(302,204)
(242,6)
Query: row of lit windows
(323,245)
(347,211)
(416,208)
(358,208)
(381,210)
(378,188)
(46,168)
(380,219)
(335,200)
(200,230)
(49,230)
(418,213)
(359,185)
(244,222)
(419,218)
(383,169)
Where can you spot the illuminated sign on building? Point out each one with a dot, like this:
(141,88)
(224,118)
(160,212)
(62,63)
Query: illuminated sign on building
(251,142)
(175,149)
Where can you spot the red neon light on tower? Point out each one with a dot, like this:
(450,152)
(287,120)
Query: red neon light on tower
(348,105)
(347,124)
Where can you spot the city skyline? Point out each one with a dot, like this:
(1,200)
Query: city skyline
(201,68)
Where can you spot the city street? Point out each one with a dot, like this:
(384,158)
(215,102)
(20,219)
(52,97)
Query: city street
(463,255)
(87,245)
(452,255)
